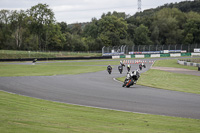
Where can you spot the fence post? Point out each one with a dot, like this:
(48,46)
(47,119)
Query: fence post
(133,48)
(169,47)
(144,47)
(121,48)
(188,47)
(103,50)
(138,48)
(124,49)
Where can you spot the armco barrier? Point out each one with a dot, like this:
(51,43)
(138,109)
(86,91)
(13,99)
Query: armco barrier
(122,56)
(128,56)
(164,55)
(155,55)
(139,56)
(115,57)
(132,56)
(195,54)
(175,55)
(147,55)
(185,54)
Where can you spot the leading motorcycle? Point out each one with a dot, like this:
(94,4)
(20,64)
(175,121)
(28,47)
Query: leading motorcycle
(128,80)
(131,78)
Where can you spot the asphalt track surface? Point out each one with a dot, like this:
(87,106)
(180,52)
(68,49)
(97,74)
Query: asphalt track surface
(100,90)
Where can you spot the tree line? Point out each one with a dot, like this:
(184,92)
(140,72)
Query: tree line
(37,29)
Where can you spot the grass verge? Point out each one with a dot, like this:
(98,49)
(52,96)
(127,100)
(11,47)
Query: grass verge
(170,81)
(25,114)
(48,69)
(172,63)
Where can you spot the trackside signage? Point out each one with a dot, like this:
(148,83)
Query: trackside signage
(197,50)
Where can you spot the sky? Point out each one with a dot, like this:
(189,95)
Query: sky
(78,11)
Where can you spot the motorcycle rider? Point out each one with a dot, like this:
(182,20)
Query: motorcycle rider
(140,66)
(128,68)
(135,75)
(34,61)
(122,64)
(109,67)
(131,78)
(120,67)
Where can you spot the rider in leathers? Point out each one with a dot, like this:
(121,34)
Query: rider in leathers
(135,75)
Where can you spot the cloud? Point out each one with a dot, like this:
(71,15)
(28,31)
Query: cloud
(72,11)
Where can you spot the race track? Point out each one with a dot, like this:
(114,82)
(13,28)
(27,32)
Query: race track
(100,90)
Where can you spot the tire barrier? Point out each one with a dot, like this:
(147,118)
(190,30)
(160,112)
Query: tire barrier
(189,64)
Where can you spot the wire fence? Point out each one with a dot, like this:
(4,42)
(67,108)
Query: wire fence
(146,49)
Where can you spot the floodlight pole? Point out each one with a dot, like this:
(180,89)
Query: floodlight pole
(139,5)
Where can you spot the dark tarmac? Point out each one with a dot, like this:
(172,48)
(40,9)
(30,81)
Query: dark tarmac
(100,90)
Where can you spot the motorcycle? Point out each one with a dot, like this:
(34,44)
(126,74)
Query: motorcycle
(140,66)
(120,68)
(144,66)
(128,81)
(109,69)
(131,79)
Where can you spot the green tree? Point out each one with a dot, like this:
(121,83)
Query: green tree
(5,31)
(56,39)
(68,46)
(112,29)
(18,26)
(91,30)
(79,44)
(131,31)
(155,35)
(77,29)
(192,28)
(64,27)
(141,35)
(169,23)
(41,17)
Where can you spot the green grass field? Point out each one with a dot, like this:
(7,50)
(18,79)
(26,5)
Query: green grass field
(49,69)
(45,70)
(172,63)
(20,114)
(170,81)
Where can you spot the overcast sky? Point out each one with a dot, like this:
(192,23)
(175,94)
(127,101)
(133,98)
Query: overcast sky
(72,11)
